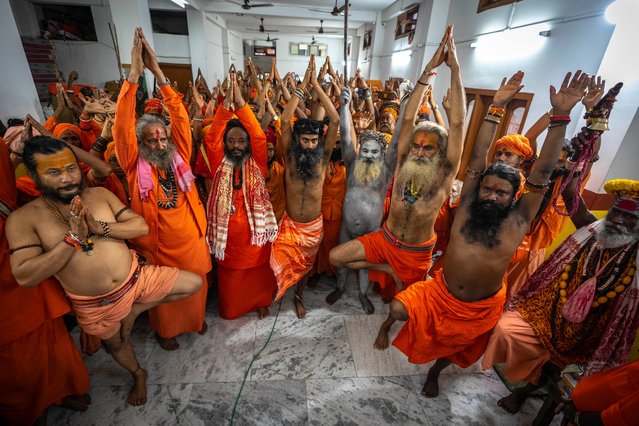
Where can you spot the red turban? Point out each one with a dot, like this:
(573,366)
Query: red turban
(63,127)
(516,143)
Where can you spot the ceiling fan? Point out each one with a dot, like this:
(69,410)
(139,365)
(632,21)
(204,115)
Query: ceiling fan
(247,5)
(262,29)
(268,38)
(321,29)
(314,41)
(336,10)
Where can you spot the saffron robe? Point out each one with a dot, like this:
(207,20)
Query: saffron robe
(333,194)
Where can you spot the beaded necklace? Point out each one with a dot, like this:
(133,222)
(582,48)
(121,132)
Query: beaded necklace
(54,210)
(169,188)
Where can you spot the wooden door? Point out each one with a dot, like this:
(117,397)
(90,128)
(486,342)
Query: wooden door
(178,72)
(478,101)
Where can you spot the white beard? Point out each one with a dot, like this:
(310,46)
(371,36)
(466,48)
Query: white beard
(612,236)
(364,172)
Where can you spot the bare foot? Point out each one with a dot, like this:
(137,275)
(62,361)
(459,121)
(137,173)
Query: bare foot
(381,343)
(137,396)
(76,402)
(170,344)
(513,402)
(431,387)
(300,309)
(366,304)
(202,332)
(313,281)
(334,297)
(262,313)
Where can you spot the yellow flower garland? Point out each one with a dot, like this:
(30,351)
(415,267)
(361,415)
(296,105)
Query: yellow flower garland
(623,187)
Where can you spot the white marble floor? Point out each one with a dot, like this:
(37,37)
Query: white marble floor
(321,370)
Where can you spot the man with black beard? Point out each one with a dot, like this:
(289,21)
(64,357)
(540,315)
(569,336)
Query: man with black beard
(307,152)
(450,317)
(580,306)
(428,157)
(242,223)
(368,174)
(162,191)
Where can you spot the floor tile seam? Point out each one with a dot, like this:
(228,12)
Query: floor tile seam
(350,346)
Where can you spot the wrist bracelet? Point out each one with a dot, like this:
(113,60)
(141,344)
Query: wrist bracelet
(422,83)
(85,120)
(70,241)
(165,83)
(198,119)
(431,73)
(560,118)
(106,229)
(493,119)
(535,187)
(100,145)
(498,112)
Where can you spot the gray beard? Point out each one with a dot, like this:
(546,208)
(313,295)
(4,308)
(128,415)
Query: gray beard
(366,172)
(160,158)
(612,236)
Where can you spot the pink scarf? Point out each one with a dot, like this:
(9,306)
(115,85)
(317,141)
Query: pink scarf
(183,175)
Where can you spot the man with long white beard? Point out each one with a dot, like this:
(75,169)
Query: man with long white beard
(368,174)
(580,306)
(428,158)
(163,193)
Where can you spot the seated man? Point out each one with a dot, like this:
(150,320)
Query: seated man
(593,270)
(449,317)
(77,234)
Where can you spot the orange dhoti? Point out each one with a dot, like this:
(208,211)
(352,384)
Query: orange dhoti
(442,326)
(101,315)
(245,280)
(514,343)
(613,393)
(244,290)
(410,262)
(294,251)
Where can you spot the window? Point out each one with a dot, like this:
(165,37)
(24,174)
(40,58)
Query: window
(169,22)
(65,22)
(307,49)
(406,23)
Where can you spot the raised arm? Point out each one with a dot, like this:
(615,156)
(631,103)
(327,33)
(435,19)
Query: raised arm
(408,121)
(331,112)
(457,108)
(433,107)
(571,92)
(487,131)
(291,105)
(126,143)
(345,123)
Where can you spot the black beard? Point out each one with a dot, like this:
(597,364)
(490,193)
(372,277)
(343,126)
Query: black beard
(160,158)
(306,160)
(54,194)
(336,155)
(483,223)
(237,161)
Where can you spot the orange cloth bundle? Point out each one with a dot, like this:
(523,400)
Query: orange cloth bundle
(442,326)
(293,252)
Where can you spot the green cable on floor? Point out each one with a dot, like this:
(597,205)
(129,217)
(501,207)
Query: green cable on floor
(279,307)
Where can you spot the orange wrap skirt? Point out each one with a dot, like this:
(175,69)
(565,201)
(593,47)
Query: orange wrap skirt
(442,326)
(293,252)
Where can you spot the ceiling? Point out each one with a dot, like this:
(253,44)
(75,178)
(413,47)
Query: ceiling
(294,16)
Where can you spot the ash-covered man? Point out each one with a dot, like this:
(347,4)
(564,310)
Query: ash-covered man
(307,155)
(77,234)
(368,174)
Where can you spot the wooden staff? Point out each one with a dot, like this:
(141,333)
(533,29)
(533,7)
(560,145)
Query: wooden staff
(116,47)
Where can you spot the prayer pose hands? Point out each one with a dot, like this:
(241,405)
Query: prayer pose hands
(345,97)
(570,92)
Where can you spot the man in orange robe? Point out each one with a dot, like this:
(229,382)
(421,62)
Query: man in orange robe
(333,194)
(242,224)
(163,193)
(40,363)
(275,182)
(610,397)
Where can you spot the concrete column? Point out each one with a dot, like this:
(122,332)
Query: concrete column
(197,44)
(127,15)
(377,47)
(18,92)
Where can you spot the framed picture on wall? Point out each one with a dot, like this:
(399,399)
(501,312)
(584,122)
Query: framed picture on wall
(368,35)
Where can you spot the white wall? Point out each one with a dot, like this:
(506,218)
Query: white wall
(172,49)
(18,95)
(625,162)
